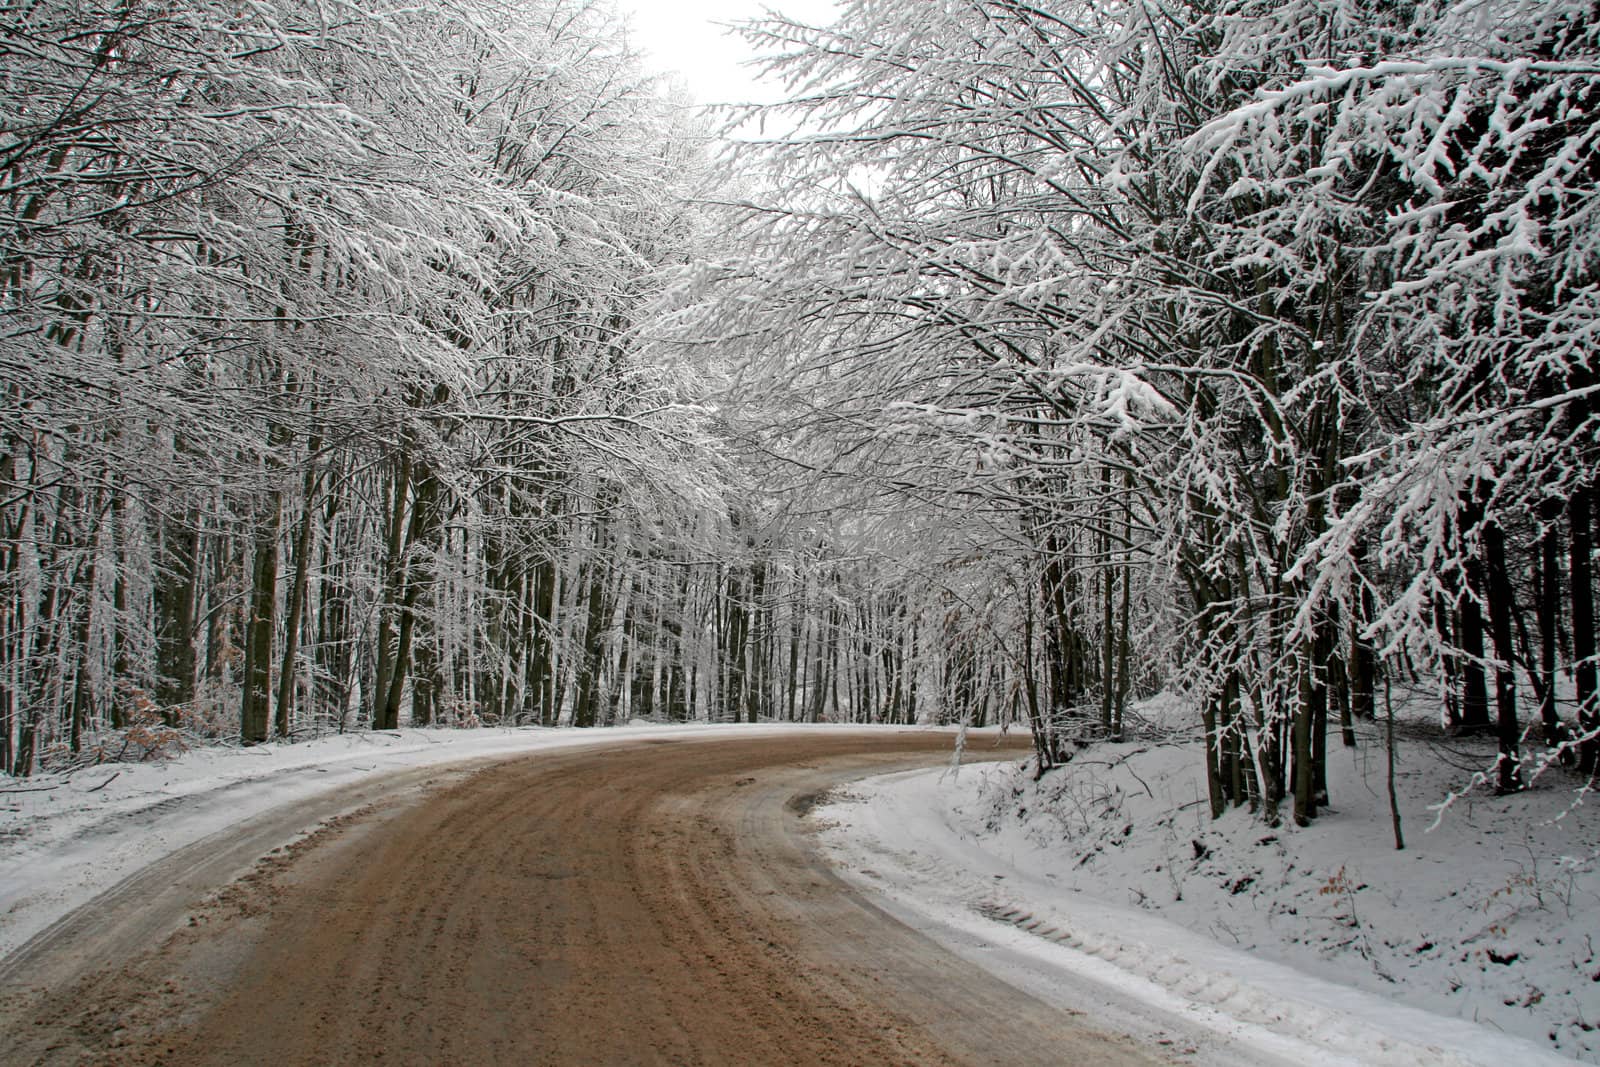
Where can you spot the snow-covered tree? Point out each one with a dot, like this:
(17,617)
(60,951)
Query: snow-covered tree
(1281,302)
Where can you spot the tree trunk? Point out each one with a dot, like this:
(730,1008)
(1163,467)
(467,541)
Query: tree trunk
(1124,644)
(543,678)
(583,708)
(1363,662)
(1580,517)
(1474,715)
(393,592)
(1312,701)
(335,651)
(257,681)
(297,597)
(415,575)
(175,592)
(83,710)
(1501,599)
(121,661)
(1549,607)
(818,679)
(735,628)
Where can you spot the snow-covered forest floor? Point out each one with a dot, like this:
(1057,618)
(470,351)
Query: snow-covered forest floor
(1485,916)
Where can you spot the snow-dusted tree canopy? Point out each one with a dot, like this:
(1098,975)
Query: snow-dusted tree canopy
(365,363)
(319,395)
(1271,320)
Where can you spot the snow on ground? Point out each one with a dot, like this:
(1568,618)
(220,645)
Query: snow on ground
(1319,945)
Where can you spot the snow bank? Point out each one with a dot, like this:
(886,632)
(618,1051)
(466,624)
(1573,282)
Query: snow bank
(1318,945)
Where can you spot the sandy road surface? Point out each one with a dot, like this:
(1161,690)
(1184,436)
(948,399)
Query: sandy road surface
(657,902)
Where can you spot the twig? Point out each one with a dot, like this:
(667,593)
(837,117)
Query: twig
(103,784)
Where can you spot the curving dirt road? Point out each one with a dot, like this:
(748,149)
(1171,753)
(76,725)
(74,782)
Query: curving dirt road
(645,903)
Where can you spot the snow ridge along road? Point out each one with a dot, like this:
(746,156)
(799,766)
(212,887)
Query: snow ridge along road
(657,901)
(895,837)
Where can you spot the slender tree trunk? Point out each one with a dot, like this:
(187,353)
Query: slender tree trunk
(735,625)
(1394,802)
(176,590)
(297,596)
(1580,518)
(83,710)
(1444,622)
(335,652)
(911,670)
(257,680)
(425,685)
(1474,684)
(819,674)
(1108,662)
(415,575)
(834,644)
(393,592)
(1323,642)
(1302,735)
(1549,607)
(583,709)
(121,661)
(1124,639)
(1363,661)
(796,658)
(1043,744)
(1501,599)
(544,623)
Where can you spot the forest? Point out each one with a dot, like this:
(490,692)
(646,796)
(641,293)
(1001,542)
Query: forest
(436,364)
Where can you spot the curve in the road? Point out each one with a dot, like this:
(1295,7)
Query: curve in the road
(629,904)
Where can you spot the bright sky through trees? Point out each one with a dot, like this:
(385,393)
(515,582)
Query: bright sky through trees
(692,38)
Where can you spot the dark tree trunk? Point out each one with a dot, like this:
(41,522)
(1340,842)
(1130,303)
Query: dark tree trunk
(1363,666)
(121,661)
(1580,517)
(543,677)
(257,698)
(415,574)
(1322,682)
(83,710)
(295,609)
(175,593)
(735,632)
(335,680)
(583,708)
(818,679)
(1474,707)
(796,658)
(1549,607)
(1502,604)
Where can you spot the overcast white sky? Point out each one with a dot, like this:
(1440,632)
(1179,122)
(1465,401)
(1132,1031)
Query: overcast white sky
(682,36)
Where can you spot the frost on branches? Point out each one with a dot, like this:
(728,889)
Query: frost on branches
(320,374)
(1245,347)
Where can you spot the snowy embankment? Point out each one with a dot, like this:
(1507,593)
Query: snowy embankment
(1320,945)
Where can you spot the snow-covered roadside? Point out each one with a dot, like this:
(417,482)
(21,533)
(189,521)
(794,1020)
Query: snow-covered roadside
(1126,907)
(66,838)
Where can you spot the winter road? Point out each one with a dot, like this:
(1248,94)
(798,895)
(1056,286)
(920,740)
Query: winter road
(651,902)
